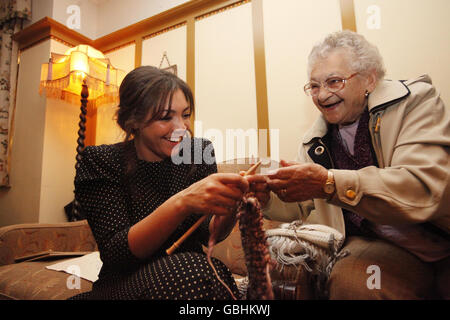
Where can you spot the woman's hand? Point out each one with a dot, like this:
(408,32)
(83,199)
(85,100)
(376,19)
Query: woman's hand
(298,181)
(218,194)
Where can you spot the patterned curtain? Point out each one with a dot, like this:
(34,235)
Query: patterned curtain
(12,15)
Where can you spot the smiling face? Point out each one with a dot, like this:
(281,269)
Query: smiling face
(157,139)
(346,105)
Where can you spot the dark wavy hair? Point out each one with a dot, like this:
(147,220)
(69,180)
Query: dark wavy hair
(145,91)
(144,94)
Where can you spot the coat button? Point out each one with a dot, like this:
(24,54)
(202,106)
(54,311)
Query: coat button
(350,194)
(319,150)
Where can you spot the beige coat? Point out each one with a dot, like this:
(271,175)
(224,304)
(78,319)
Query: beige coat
(410,129)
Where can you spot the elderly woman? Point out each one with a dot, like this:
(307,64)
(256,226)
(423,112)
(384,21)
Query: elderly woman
(375,166)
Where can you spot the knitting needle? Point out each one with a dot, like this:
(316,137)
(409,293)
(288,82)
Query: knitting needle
(252,169)
(194,227)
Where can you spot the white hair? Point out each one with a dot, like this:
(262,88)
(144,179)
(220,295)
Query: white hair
(364,56)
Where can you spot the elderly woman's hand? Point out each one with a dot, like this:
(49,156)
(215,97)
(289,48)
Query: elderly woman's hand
(298,181)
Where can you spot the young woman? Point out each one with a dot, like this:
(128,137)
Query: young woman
(138,201)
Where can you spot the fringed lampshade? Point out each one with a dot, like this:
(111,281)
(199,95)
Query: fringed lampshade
(62,77)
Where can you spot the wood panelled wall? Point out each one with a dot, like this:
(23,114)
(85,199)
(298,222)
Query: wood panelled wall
(186,14)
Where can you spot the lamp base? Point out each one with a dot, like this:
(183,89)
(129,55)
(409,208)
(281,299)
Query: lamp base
(74,207)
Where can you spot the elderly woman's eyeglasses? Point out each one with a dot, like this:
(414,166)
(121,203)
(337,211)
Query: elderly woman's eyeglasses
(333,84)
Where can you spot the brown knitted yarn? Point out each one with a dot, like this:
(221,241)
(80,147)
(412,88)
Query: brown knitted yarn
(257,257)
(254,244)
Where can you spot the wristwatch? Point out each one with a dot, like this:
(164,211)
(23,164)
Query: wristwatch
(329,187)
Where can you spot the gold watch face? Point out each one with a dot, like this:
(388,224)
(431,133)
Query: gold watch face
(329,188)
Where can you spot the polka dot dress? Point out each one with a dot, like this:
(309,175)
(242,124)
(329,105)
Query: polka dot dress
(114,197)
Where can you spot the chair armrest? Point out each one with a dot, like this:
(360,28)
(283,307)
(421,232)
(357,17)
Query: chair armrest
(25,239)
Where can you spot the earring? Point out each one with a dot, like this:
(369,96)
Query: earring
(366,94)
